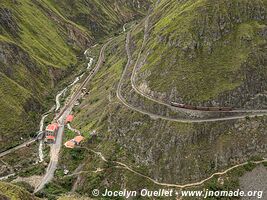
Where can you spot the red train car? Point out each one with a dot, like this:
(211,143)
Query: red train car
(190,107)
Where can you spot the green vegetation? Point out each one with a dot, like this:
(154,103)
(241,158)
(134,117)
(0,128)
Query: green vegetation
(100,17)
(98,101)
(57,188)
(227,182)
(40,35)
(51,191)
(41,49)
(12,100)
(203,49)
(33,49)
(73,197)
(13,192)
(68,135)
(33,170)
(157,148)
(168,152)
(25,185)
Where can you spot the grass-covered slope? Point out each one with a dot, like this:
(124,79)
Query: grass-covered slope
(12,192)
(39,46)
(34,51)
(168,152)
(29,25)
(204,50)
(101,17)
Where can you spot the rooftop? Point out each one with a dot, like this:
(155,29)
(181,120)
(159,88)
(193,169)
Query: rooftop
(52,127)
(70,144)
(78,139)
(69,118)
(50,137)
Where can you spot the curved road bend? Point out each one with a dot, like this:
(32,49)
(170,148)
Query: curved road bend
(133,83)
(55,149)
(155,116)
(73,129)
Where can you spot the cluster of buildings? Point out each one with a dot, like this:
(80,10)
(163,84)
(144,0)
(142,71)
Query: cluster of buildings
(74,142)
(52,130)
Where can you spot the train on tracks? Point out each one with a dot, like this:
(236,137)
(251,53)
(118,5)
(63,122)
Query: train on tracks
(200,108)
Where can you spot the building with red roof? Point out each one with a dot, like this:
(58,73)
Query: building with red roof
(52,127)
(51,132)
(70,144)
(78,139)
(75,141)
(69,118)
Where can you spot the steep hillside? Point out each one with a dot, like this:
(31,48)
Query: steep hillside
(110,15)
(209,52)
(168,152)
(34,51)
(39,46)
(13,192)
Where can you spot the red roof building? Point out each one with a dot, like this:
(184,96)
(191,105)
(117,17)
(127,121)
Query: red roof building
(52,127)
(78,139)
(50,137)
(70,144)
(51,132)
(69,118)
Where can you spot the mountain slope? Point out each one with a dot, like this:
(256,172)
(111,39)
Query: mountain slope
(207,52)
(101,17)
(39,47)
(13,192)
(34,51)
(166,151)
